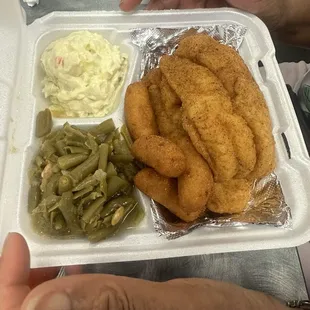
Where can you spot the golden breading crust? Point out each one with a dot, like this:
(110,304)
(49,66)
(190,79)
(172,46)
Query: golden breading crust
(161,154)
(247,99)
(164,191)
(139,114)
(230,197)
(195,185)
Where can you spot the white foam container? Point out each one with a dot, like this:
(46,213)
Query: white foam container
(21,99)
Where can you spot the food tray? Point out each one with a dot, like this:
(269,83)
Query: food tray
(21,100)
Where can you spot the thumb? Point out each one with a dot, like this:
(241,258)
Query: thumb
(105,292)
(129,5)
(86,292)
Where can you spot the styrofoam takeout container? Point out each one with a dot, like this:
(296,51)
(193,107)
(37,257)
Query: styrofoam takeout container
(20,100)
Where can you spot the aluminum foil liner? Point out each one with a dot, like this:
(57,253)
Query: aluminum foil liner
(267,205)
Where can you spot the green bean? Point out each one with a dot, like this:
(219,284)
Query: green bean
(93,209)
(34,174)
(111,206)
(86,200)
(129,170)
(59,222)
(54,207)
(109,138)
(95,221)
(111,171)
(103,128)
(48,149)
(60,147)
(51,186)
(64,184)
(52,217)
(82,192)
(70,142)
(102,234)
(55,169)
(34,197)
(103,156)
(86,168)
(121,158)
(125,133)
(51,136)
(44,123)
(101,176)
(74,133)
(89,181)
(120,147)
(107,220)
(76,150)
(67,209)
(122,176)
(53,158)
(71,160)
(46,204)
(55,136)
(117,135)
(105,232)
(115,185)
(40,162)
(91,144)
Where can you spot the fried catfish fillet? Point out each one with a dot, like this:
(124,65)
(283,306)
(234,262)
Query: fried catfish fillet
(247,99)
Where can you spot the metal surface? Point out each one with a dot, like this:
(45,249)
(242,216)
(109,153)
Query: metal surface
(275,272)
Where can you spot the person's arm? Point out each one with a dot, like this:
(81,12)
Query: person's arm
(296,29)
(84,292)
(298,12)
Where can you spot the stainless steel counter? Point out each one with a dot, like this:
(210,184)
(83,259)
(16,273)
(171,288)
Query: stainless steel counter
(276,272)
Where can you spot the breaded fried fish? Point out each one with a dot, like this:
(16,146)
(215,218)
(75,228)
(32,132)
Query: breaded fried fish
(139,114)
(204,99)
(195,184)
(164,191)
(230,197)
(221,59)
(161,154)
(248,101)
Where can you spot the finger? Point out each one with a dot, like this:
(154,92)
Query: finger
(163,4)
(193,4)
(129,5)
(14,272)
(15,261)
(109,292)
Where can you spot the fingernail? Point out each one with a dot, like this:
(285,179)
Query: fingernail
(53,301)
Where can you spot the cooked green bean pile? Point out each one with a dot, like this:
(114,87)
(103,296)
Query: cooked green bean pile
(81,183)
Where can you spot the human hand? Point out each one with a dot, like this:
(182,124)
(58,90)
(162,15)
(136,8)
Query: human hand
(273,12)
(16,277)
(92,292)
